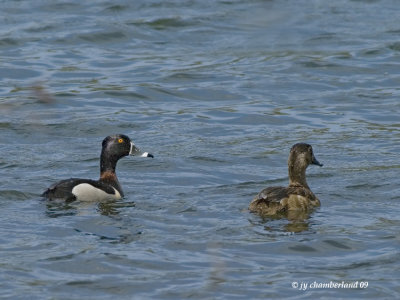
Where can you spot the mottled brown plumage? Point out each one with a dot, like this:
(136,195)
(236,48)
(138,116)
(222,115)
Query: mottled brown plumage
(297,196)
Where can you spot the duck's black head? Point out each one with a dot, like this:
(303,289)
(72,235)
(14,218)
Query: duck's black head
(302,155)
(115,147)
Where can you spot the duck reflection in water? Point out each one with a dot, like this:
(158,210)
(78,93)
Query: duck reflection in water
(108,208)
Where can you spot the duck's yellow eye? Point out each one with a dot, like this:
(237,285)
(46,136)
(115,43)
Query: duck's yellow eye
(120,141)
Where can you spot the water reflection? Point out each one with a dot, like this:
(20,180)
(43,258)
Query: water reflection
(55,209)
(297,226)
(112,208)
(217,266)
(290,222)
(107,208)
(97,219)
(42,94)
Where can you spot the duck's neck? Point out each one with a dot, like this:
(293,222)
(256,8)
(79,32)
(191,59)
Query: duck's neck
(297,176)
(107,162)
(107,170)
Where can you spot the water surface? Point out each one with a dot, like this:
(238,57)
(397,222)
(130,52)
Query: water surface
(218,91)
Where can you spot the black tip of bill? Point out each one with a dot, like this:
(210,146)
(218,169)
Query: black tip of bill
(316,162)
(147,154)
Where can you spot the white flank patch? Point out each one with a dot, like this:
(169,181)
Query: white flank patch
(145,154)
(87,192)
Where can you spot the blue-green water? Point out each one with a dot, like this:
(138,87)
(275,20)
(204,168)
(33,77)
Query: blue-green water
(218,91)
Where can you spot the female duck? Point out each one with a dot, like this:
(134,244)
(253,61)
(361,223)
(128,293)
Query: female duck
(297,196)
(107,187)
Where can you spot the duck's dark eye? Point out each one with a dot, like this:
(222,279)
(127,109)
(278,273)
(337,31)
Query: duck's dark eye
(120,141)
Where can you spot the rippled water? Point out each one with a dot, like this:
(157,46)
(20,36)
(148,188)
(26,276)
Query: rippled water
(218,91)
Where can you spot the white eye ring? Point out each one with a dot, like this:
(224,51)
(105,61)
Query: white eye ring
(130,150)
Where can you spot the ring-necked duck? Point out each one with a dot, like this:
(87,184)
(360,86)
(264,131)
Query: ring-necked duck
(297,196)
(107,187)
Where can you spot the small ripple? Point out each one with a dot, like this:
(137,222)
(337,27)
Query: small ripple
(394,46)
(164,23)
(16,195)
(8,42)
(337,244)
(303,248)
(103,37)
(18,73)
(116,8)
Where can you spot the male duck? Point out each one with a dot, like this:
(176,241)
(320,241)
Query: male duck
(297,196)
(107,187)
